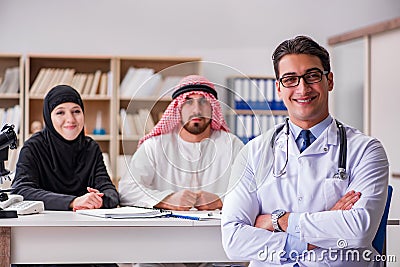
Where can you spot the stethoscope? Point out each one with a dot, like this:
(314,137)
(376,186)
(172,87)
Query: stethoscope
(341,173)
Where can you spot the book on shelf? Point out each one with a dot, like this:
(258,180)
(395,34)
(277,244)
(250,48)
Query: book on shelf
(149,86)
(10,82)
(139,123)
(125,213)
(11,163)
(85,83)
(68,75)
(103,85)
(37,81)
(55,79)
(146,120)
(78,82)
(124,86)
(10,116)
(95,83)
(139,82)
(127,123)
(88,84)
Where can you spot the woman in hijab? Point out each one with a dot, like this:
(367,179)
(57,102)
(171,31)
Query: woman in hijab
(60,165)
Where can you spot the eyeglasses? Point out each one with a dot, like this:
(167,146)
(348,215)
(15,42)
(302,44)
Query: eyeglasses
(311,77)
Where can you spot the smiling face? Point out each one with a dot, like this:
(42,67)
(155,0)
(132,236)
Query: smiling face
(68,120)
(307,104)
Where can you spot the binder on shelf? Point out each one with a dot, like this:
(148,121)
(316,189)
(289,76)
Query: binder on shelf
(279,105)
(270,93)
(256,126)
(237,91)
(253,92)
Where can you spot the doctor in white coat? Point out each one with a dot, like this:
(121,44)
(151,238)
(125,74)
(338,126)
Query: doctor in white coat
(292,204)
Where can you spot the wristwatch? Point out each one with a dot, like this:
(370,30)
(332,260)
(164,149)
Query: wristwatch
(276,214)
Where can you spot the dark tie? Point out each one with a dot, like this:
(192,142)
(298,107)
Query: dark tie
(305,135)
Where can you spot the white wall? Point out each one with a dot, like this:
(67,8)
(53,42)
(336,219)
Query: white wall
(241,34)
(348,61)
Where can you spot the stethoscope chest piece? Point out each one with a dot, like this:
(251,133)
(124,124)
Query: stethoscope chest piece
(341,174)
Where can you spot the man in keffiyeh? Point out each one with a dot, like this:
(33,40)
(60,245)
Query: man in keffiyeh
(185,161)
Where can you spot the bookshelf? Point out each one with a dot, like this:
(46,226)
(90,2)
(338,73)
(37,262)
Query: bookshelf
(255,105)
(148,97)
(11,99)
(43,72)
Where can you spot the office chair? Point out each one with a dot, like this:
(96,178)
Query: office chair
(379,241)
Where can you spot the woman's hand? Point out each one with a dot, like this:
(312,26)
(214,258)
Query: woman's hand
(91,200)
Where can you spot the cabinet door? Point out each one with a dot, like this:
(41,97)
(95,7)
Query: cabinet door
(385,109)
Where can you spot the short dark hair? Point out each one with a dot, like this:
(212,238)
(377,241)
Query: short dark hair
(300,45)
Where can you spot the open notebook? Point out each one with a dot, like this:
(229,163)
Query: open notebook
(125,213)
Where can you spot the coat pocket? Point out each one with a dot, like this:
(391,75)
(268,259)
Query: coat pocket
(334,189)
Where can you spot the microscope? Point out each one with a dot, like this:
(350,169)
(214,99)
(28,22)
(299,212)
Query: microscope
(8,140)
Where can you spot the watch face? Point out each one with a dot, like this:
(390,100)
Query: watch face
(276,214)
(279,213)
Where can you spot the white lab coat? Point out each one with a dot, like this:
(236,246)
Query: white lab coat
(309,189)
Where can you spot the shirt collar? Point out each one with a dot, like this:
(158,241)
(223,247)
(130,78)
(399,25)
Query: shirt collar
(316,130)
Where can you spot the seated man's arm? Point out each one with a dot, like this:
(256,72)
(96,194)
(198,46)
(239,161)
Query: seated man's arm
(135,187)
(207,201)
(182,200)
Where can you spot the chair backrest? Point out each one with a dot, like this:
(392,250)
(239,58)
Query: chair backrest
(379,240)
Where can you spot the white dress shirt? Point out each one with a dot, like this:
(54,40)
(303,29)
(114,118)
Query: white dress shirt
(166,164)
(308,190)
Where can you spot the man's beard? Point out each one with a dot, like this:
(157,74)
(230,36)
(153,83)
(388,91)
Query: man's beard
(196,128)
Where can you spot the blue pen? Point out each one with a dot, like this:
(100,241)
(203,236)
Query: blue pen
(184,217)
